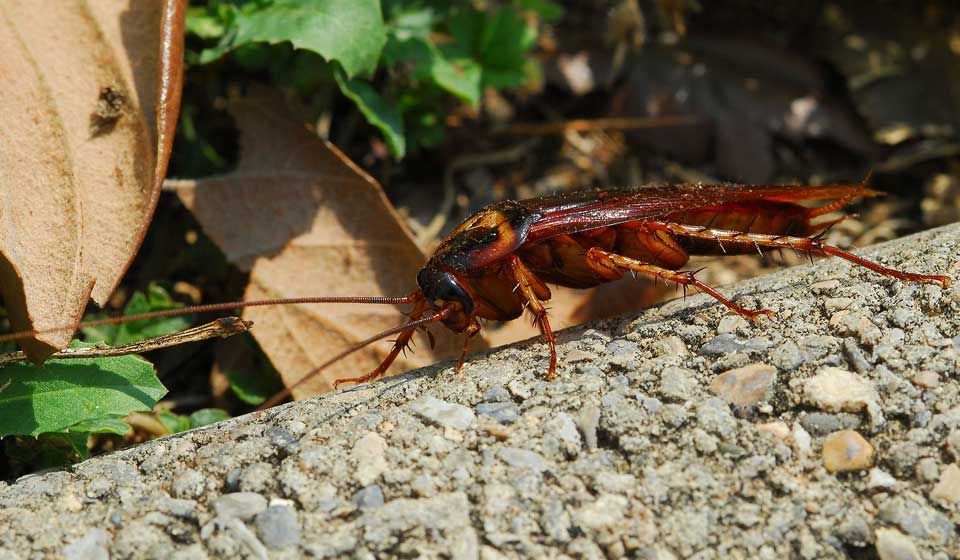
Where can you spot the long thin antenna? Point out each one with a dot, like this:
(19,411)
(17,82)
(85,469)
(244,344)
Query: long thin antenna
(279,397)
(212,308)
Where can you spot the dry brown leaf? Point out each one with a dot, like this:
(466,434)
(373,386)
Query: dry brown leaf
(76,150)
(307,221)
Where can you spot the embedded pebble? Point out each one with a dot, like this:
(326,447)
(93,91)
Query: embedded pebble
(927,469)
(822,423)
(670,346)
(522,458)
(857,323)
(731,323)
(258,477)
(589,421)
(787,356)
(91,546)
(846,451)
(745,386)
(856,356)
(713,415)
(917,518)
(777,429)
(677,383)
(178,508)
(503,412)
(855,531)
(447,414)
(835,390)
(894,545)
(565,429)
(948,487)
(242,505)
(369,456)
(729,343)
(284,439)
(802,439)
(926,379)
(188,484)
(602,514)
(953,444)
(879,479)
(368,497)
(277,526)
(497,393)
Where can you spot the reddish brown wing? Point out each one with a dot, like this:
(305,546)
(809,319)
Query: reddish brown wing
(584,210)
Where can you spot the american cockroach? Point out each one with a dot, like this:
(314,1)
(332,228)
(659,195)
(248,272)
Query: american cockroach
(499,261)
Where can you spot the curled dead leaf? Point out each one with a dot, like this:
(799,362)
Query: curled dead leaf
(76,152)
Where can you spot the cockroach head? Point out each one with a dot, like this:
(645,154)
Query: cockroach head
(442,289)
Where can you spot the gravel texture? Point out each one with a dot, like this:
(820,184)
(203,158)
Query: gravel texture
(676,433)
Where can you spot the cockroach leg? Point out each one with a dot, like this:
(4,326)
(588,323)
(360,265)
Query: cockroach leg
(399,345)
(809,245)
(471,332)
(683,278)
(535,292)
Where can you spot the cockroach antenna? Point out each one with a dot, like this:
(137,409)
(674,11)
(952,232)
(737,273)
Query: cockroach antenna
(405,329)
(210,308)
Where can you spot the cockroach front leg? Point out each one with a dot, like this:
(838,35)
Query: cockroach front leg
(472,331)
(605,259)
(812,245)
(534,293)
(403,339)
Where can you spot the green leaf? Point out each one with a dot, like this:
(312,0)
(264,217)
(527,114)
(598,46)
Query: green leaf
(207,416)
(103,425)
(409,20)
(79,442)
(175,423)
(504,43)
(378,111)
(498,41)
(61,393)
(203,23)
(350,32)
(254,387)
(461,77)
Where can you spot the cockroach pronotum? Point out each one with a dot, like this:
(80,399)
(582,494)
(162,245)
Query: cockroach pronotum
(498,262)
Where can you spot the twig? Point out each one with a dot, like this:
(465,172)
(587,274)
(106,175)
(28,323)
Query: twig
(222,328)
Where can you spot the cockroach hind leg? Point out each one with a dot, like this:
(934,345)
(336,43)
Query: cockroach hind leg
(680,278)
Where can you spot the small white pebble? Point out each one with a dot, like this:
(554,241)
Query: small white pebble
(879,479)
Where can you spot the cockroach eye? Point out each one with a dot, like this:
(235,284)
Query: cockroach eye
(441,287)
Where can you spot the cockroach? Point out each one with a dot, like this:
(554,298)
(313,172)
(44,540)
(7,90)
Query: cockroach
(497,263)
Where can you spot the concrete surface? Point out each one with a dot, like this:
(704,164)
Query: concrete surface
(681,432)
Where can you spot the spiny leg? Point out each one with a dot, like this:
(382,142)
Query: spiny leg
(403,339)
(685,278)
(528,285)
(804,244)
(471,331)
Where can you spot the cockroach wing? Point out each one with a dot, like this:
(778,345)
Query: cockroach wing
(585,210)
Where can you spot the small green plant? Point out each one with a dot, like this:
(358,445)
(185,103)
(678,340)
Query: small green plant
(176,423)
(55,408)
(398,61)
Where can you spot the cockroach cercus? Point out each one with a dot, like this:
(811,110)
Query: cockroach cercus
(499,261)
